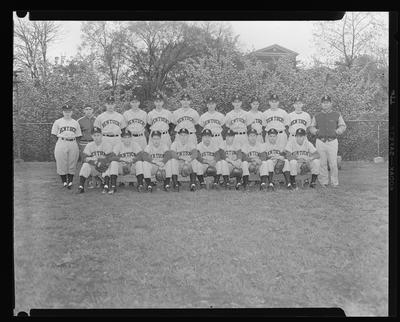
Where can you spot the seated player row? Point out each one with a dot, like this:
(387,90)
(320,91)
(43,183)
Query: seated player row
(186,158)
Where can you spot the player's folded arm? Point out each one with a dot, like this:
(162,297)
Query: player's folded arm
(315,155)
(220,155)
(263,156)
(290,156)
(195,154)
(168,155)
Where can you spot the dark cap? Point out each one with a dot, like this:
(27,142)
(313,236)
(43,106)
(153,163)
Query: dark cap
(252,131)
(87,105)
(274,97)
(134,97)
(298,98)
(110,100)
(210,99)
(158,97)
(185,96)
(272,131)
(236,97)
(125,133)
(254,99)
(66,107)
(326,98)
(230,133)
(183,131)
(206,132)
(300,132)
(155,133)
(96,130)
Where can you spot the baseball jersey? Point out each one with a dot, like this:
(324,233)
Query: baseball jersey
(253,151)
(301,151)
(231,151)
(86,125)
(98,151)
(277,119)
(212,121)
(184,151)
(236,120)
(157,154)
(207,152)
(127,153)
(328,123)
(273,150)
(255,119)
(110,123)
(185,118)
(159,120)
(136,120)
(67,129)
(299,120)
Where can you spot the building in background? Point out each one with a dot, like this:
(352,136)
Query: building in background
(271,54)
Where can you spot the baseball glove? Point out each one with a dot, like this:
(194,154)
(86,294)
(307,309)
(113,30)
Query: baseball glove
(236,173)
(160,175)
(211,171)
(126,169)
(253,167)
(185,170)
(279,166)
(304,168)
(102,165)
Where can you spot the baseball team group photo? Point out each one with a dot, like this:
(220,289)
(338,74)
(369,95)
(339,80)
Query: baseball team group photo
(181,164)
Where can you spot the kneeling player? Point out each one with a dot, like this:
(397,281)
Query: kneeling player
(125,161)
(93,152)
(184,152)
(156,157)
(301,151)
(276,161)
(232,158)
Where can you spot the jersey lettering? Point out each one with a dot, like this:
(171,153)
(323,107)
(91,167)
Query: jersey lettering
(184,153)
(160,119)
(304,122)
(185,118)
(67,128)
(139,121)
(157,155)
(105,123)
(212,121)
(207,154)
(274,118)
(97,153)
(239,120)
(127,154)
(300,153)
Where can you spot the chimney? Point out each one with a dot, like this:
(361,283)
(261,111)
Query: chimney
(56,60)
(62,59)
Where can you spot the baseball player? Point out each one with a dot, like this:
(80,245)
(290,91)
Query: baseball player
(276,118)
(125,156)
(66,151)
(96,150)
(254,152)
(327,125)
(86,123)
(136,121)
(301,151)
(186,117)
(213,120)
(236,121)
(254,118)
(209,155)
(156,159)
(186,152)
(232,157)
(298,118)
(160,119)
(110,122)
(274,152)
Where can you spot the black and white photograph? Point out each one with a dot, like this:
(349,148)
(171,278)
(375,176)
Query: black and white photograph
(201,164)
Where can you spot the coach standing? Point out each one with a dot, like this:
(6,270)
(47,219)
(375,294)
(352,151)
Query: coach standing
(86,123)
(327,125)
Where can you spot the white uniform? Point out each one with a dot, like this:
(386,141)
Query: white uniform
(95,152)
(276,119)
(66,151)
(136,121)
(126,154)
(255,120)
(237,122)
(184,152)
(232,159)
(111,125)
(186,118)
(253,153)
(302,152)
(208,153)
(159,121)
(300,120)
(273,152)
(157,155)
(214,122)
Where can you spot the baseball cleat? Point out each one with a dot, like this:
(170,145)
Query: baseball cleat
(176,186)
(105,189)
(237,186)
(69,185)
(112,190)
(65,184)
(90,184)
(203,185)
(263,186)
(167,187)
(306,183)
(312,185)
(214,185)
(289,186)
(271,187)
(81,190)
(192,187)
(150,188)
(121,184)
(140,188)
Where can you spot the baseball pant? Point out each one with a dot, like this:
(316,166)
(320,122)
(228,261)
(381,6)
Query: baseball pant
(88,170)
(66,154)
(113,140)
(177,166)
(116,168)
(141,140)
(240,139)
(295,167)
(200,168)
(328,153)
(150,169)
(217,140)
(270,166)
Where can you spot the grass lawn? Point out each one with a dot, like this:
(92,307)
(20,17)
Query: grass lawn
(305,248)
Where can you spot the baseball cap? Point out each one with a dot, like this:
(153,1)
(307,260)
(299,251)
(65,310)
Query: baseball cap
(158,97)
(326,98)
(206,132)
(110,100)
(252,131)
(211,99)
(87,105)
(300,132)
(274,97)
(298,98)
(125,133)
(236,97)
(272,131)
(230,133)
(254,99)
(96,130)
(185,96)
(183,131)
(66,107)
(134,97)
(156,133)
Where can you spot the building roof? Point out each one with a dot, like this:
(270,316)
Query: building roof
(273,50)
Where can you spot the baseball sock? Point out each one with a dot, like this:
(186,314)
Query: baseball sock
(63,178)
(107,181)
(148,181)
(175,179)
(113,180)
(292,179)
(287,176)
(139,178)
(314,177)
(82,180)
(193,178)
(167,181)
(226,178)
(245,180)
(70,177)
(270,176)
(216,178)
(263,179)
(201,178)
